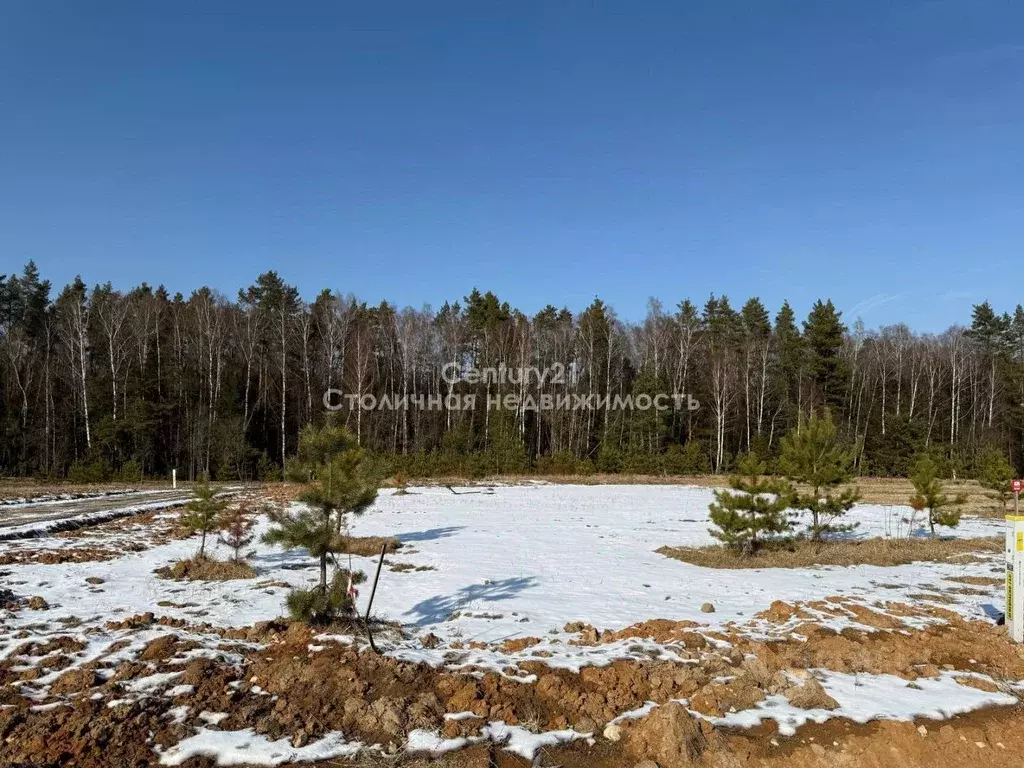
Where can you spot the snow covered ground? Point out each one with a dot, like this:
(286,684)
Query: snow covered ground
(510,562)
(507,562)
(539,556)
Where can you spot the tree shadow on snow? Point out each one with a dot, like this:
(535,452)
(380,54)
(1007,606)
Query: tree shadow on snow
(438,608)
(994,613)
(289,559)
(429,535)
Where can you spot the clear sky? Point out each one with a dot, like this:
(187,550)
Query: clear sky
(550,151)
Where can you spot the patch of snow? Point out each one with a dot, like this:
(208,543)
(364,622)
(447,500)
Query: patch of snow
(461,716)
(865,697)
(151,682)
(248,748)
(635,714)
(177,715)
(432,742)
(511,738)
(526,743)
(213,718)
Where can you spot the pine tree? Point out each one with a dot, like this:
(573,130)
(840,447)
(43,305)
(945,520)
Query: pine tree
(754,509)
(995,474)
(928,495)
(789,364)
(814,456)
(235,525)
(338,483)
(202,513)
(824,333)
(278,303)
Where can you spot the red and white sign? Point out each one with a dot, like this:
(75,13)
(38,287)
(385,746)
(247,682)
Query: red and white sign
(1017,486)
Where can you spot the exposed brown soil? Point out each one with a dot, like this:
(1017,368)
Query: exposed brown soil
(806,554)
(62,555)
(300,688)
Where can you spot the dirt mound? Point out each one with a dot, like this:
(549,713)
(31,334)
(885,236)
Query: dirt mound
(75,681)
(87,733)
(810,695)
(662,631)
(958,644)
(670,735)
(60,644)
(165,647)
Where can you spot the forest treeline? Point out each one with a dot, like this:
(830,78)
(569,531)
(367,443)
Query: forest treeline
(100,383)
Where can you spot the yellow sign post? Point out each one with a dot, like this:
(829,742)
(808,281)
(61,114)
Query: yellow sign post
(1015,567)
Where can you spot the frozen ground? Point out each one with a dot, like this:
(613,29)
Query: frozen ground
(503,563)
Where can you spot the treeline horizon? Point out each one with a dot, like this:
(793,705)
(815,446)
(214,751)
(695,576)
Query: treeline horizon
(100,383)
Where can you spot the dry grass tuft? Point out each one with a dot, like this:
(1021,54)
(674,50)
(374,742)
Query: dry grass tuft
(405,567)
(369,546)
(207,569)
(805,554)
(977,581)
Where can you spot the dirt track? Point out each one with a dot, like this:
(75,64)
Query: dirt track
(63,509)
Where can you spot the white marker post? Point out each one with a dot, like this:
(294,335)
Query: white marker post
(174,478)
(1015,566)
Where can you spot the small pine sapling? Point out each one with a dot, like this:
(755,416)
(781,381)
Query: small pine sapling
(202,513)
(236,525)
(929,496)
(995,476)
(755,509)
(338,483)
(814,457)
(401,483)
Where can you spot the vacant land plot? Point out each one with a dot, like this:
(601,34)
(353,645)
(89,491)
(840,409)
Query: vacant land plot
(527,624)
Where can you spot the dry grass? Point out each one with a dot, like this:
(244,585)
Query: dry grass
(408,567)
(896,490)
(16,487)
(369,546)
(805,554)
(977,581)
(207,569)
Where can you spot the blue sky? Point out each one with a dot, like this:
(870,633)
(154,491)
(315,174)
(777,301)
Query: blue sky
(868,151)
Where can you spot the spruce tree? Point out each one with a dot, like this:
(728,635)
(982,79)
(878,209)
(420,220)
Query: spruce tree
(338,484)
(753,509)
(788,364)
(929,495)
(825,333)
(816,458)
(202,513)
